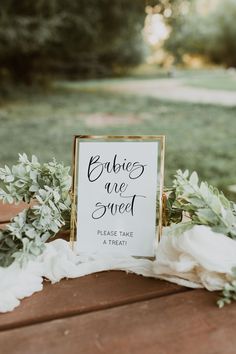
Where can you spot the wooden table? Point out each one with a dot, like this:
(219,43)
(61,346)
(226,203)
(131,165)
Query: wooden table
(114,312)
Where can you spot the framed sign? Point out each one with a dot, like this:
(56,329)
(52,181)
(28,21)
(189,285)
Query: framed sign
(117,194)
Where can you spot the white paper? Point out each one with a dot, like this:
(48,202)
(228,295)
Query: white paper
(117,192)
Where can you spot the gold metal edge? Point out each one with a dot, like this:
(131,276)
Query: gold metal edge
(73,193)
(120,137)
(161,156)
(161,184)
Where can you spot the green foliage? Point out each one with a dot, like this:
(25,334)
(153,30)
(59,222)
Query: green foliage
(76,38)
(204,204)
(172,213)
(212,35)
(229,291)
(48,185)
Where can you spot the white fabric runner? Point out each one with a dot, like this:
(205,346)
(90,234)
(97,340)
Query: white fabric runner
(197,258)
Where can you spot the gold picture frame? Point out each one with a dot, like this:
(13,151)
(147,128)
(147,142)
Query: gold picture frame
(115,138)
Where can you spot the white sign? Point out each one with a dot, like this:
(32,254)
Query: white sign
(117,194)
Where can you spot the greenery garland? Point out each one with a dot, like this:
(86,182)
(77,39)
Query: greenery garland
(48,185)
(202,204)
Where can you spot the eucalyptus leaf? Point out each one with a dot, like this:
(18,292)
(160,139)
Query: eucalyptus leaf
(204,204)
(49,185)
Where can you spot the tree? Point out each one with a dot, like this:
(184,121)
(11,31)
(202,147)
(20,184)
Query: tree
(211,36)
(76,37)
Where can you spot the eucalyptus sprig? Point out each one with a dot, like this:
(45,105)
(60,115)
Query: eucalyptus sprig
(229,291)
(48,186)
(204,204)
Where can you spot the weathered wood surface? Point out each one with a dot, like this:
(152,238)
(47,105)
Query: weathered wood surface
(114,312)
(7,211)
(187,322)
(90,293)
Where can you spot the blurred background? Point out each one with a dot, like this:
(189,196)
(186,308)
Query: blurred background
(121,67)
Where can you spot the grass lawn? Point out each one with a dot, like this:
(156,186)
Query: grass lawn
(200,138)
(209,79)
(213,78)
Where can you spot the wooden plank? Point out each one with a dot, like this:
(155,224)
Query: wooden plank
(183,323)
(85,294)
(7,211)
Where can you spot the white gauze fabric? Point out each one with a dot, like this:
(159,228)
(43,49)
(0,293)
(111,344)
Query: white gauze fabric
(197,258)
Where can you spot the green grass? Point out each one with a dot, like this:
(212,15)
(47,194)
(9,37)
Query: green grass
(209,79)
(212,78)
(200,138)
